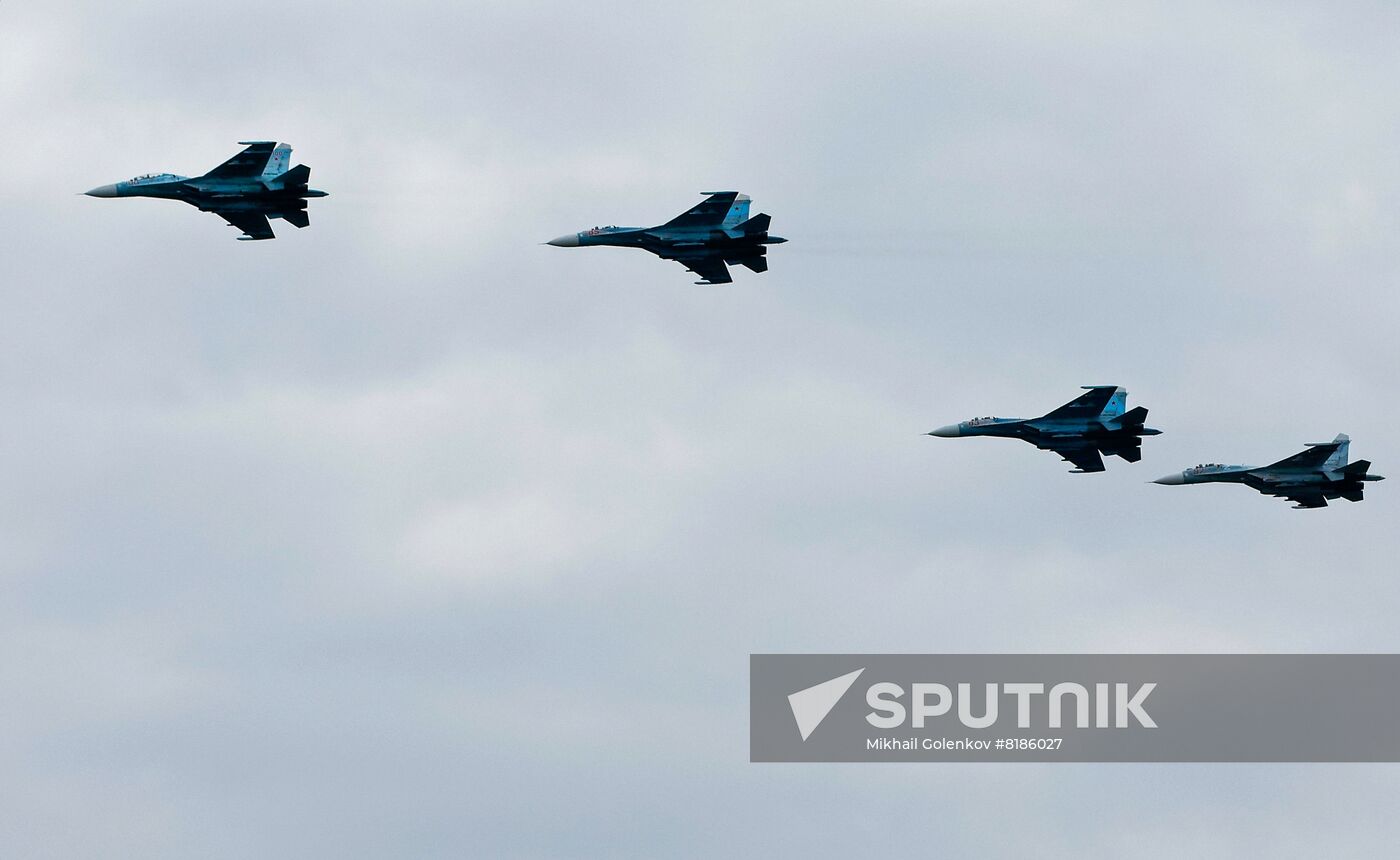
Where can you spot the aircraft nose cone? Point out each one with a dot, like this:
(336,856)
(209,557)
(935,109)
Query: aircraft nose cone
(102,191)
(1171,480)
(948,432)
(569,241)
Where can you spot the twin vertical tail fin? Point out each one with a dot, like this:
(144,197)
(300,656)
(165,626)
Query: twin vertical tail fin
(1338,460)
(1116,404)
(277,162)
(1353,486)
(738,212)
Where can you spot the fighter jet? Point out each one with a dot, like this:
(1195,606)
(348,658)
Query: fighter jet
(717,231)
(245,191)
(1308,478)
(1080,431)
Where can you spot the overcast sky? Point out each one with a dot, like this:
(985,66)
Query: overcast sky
(403,535)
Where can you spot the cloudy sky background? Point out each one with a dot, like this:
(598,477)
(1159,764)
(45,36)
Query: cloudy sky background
(404,535)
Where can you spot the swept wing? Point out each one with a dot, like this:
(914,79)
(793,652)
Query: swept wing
(1084,459)
(246,164)
(1090,404)
(253,224)
(1304,497)
(709,212)
(1312,458)
(710,267)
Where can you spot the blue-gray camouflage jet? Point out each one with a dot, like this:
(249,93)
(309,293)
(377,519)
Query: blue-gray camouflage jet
(245,191)
(717,232)
(1308,478)
(1080,431)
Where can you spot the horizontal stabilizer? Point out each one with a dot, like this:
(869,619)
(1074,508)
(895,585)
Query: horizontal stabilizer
(757,264)
(297,218)
(1355,494)
(297,177)
(755,225)
(1360,467)
(1134,417)
(1132,455)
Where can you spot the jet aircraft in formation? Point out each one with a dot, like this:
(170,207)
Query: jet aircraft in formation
(1098,422)
(1308,478)
(706,239)
(256,184)
(1082,430)
(245,191)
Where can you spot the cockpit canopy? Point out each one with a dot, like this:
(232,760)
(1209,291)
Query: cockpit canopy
(153,177)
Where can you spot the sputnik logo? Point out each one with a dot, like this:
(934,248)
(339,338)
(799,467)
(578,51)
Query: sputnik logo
(810,706)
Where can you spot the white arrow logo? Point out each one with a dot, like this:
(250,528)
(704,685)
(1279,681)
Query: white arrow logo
(810,706)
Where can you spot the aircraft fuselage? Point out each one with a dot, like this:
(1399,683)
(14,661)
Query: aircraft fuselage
(208,194)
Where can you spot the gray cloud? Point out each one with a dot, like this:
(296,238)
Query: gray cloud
(403,534)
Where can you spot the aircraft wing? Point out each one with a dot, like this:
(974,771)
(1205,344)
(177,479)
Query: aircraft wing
(710,268)
(253,224)
(248,163)
(1312,458)
(1084,459)
(1304,497)
(709,212)
(1090,404)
